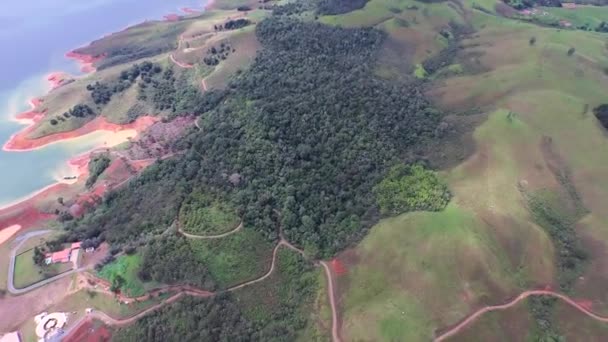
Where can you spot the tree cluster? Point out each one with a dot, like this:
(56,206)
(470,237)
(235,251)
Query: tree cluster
(291,8)
(601,113)
(171,260)
(191,319)
(523,4)
(232,24)
(410,188)
(215,54)
(78,111)
(333,7)
(97,165)
(102,92)
(560,225)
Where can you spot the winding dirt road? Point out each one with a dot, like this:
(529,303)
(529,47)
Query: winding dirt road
(210,237)
(335,334)
(192,291)
(471,318)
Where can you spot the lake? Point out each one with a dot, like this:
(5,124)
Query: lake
(35,35)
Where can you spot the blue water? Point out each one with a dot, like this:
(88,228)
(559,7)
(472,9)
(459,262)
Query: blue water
(35,35)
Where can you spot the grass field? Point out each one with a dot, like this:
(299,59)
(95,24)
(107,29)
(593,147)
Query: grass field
(574,326)
(127,267)
(589,16)
(246,45)
(28,273)
(235,258)
(420,272)
(513,324)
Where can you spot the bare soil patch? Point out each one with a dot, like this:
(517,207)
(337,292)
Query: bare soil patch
(23,307)
(90,331)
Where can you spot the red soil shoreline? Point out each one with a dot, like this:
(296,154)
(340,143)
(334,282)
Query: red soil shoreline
(86,61)
(20,142)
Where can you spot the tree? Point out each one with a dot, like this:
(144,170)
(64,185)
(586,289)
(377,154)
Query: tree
(39,256)
(571,51)
(117,283)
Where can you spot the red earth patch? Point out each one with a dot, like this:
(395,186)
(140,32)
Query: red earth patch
(86,61)
(90,332)
(338,267)
(585,303)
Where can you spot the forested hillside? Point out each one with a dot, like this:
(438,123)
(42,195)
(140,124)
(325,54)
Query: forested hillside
(306,132)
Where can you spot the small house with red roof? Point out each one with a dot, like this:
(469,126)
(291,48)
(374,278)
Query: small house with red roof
(63,255)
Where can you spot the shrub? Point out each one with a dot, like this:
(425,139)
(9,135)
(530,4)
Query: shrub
(408,188)
(571,51)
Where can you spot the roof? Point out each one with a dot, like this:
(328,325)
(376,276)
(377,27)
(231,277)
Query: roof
(61,256)
(76,245)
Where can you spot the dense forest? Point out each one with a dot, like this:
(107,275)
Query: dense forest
(331,7)
(170,260)
(308,131)
(191,319)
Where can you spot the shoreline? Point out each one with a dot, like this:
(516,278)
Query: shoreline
(86,62)
(77,164)
(19,142)
(22,212)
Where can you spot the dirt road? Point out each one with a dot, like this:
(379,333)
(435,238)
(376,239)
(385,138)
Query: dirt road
(471,318)
(210,237)
(335,335)
(192,291)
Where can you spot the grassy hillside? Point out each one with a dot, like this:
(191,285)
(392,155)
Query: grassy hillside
(532,92)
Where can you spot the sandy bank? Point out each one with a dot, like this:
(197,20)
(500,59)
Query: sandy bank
(24,213)
(87,62)
(7,232)
(20,142)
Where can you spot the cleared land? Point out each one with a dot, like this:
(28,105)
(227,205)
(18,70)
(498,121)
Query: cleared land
(123,272)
